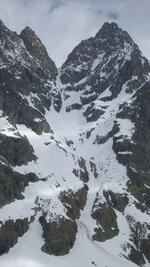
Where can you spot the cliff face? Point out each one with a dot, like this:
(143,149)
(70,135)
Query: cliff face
(26,75)
(74,152)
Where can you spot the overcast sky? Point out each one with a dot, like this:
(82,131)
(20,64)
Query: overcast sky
(62,24)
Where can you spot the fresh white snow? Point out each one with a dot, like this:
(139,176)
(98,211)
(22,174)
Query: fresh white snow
(55,163)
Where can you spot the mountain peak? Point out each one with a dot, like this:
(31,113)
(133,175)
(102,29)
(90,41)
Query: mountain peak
(108,28)
(3,28)
(1,23)
(37,49)
(111,31)
(74,152)
(111,25)
(27,29)
(27,32)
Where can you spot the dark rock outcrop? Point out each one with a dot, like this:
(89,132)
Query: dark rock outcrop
(10,231)
(137,160)
(59,235)
(83,172)
(17,151)
(38,51)
(141,241)
(74,202)
(107,223)
(12,184)
(26,77)
(116,200)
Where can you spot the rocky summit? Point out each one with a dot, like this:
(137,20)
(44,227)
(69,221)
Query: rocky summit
(74,152)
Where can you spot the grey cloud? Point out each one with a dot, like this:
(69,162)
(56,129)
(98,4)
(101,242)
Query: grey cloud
(112,15)
(55,4)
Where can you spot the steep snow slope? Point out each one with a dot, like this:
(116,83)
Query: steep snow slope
(84,187)
(55,162)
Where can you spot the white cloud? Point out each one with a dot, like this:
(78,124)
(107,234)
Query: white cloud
(62,24)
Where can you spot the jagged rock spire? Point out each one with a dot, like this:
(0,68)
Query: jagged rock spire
(38,50)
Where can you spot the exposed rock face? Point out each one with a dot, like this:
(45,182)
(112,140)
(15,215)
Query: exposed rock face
(75,148)
(12,184)
(90,70)
(16,151)
(57,101)
(10,232)
(116,200)
(110,43)
(83,172)
(106,219)
(38,51)
(74,202)
(59,236)
(141,240)
(26,73)
(137,157)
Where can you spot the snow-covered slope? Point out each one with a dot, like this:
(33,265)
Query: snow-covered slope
(75,180)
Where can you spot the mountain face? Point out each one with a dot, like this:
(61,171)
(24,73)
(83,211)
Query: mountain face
(74,152)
